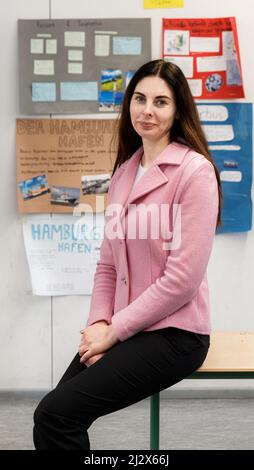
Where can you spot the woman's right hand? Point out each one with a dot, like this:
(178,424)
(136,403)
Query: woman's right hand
(96,357)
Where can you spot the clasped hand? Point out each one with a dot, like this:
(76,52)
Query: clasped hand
(96,339)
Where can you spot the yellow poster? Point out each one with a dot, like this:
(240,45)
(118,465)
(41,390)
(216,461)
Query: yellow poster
(163,3)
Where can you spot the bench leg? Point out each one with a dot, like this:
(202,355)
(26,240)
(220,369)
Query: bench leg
(155,422)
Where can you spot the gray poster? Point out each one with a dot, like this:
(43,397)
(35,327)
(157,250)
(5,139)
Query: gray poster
(79,65)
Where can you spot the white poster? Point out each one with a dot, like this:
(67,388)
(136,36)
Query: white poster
(62,252)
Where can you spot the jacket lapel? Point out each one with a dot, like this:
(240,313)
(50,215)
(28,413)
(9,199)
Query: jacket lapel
(153,178)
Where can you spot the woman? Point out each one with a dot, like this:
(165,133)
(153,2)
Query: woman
(149,325)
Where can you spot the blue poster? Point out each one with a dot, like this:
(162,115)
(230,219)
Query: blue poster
(228,129)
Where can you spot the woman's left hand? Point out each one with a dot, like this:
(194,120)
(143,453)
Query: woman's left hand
(96,339)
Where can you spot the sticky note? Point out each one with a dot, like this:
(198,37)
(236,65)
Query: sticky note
(43,92)
(51,46)
(74,38)
(75,67)
(79,91)
(36,46)
(44,67)
(74,54)
(101,45)
(127,45)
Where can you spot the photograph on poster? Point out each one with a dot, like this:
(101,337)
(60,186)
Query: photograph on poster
(34,187)
(95,184)
(65,196)
(111,79)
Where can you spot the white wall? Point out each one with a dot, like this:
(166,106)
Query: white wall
(39,335)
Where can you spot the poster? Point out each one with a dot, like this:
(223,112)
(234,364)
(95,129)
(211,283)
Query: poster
(228,128)
(63,164)
(207,51)
(62,252)
(63,63)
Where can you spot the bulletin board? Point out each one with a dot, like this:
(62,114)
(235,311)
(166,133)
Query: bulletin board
(79,65)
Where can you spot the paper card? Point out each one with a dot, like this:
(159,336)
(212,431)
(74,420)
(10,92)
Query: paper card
(51,46)
(216,133)
(79,91)
(44,67)
(195,85)
(36,46)
(213,112)
(105,32)
(43,92)
(101,45)
(228,45)
(231,176)
(75,67)
(163,3)
(43,35)
(127,45)
(233,73)
(176,42)
(184,63)
(211,64)
(203,44)
(111,80)
(225,147)
(74,54)
(74,38)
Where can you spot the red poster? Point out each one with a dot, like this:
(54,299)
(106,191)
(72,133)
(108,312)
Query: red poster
(207,51)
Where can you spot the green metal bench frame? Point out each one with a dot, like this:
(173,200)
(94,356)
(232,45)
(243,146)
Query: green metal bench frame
(155,400)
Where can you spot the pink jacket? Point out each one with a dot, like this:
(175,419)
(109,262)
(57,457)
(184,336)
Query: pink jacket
(140,286)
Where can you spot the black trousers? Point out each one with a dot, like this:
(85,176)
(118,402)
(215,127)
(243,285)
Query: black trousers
(129,372)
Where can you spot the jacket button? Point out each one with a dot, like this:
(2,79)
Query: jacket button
(124,280)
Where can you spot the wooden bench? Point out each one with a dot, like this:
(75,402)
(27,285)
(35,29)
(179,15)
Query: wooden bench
(230,356)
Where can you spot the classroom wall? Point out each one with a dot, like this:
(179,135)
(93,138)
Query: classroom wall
(39,335)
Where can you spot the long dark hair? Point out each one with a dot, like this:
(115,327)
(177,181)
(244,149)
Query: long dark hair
(186,128)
